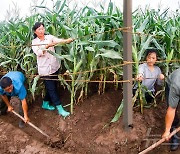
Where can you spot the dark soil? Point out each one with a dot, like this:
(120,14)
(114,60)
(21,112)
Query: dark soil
(86,131)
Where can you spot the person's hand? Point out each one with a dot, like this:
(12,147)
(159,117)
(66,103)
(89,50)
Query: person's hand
(69,40)
(10,108)
(161,77)
(50,45)
(140,77)
(67,72)
(26,119)
(166,135)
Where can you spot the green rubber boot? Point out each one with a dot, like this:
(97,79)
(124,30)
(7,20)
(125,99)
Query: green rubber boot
(46,106)
(61,111)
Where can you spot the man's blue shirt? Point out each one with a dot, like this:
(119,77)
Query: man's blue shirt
(18,85)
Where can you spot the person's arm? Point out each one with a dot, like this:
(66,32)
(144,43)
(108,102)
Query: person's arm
(168,121)
(25,110)
(22,96)
(66,41)
(5,99)
(56,41)
(38,49)
(39,52)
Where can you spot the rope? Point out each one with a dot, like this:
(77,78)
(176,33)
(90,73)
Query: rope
(104,68)
(159,142)
(93,81)
(108,67)
(88,81)
(124,29)
(93,34)
(112,30)
(114,66)
(143,34)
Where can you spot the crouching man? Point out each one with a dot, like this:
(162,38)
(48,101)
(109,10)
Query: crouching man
(12,84)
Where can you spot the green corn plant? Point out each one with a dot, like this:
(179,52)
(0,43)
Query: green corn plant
(96,44)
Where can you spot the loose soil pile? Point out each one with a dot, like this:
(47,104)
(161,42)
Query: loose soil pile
(86,131)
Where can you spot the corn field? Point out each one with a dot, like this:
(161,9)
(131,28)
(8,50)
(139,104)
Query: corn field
(98,44)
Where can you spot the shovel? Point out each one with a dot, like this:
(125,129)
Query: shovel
(52,142)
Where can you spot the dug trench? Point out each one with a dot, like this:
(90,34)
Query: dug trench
(84,132)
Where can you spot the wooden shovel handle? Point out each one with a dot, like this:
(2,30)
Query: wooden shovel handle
(159,142)
(32,125)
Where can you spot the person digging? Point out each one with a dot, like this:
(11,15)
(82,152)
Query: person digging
(173,100)
(12,84)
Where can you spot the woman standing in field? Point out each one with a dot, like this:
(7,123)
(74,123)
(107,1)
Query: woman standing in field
(48,66)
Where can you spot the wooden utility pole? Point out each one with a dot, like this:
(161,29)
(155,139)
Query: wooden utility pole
(127,69)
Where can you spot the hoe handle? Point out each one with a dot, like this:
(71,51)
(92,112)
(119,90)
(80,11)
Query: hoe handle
(32,125)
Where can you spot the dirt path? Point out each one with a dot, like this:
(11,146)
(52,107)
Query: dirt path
(83,131)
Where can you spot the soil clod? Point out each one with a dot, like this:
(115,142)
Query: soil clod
(55,142)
